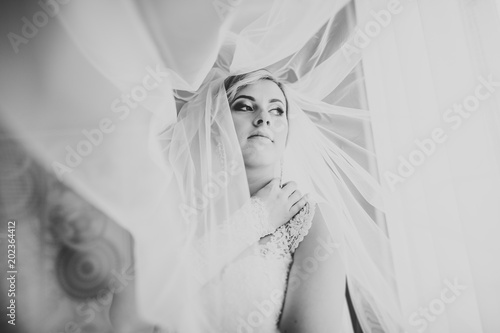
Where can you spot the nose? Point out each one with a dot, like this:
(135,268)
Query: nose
(262,118)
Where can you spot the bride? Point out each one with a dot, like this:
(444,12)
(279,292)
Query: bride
(253,287)
(241,153)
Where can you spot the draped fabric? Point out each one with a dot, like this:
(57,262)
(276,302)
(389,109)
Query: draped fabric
(433,91)
(124,102)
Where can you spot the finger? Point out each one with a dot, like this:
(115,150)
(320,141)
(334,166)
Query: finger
(294,197)
(298,206)
(275,182)
(289,188)
(290,183)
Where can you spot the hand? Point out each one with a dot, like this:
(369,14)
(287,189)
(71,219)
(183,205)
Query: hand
(281,203)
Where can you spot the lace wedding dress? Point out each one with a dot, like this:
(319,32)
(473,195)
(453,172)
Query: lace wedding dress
(252,289)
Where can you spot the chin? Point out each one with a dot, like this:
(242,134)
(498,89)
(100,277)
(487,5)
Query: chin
(259,159)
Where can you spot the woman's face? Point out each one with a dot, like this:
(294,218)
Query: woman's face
(260,120)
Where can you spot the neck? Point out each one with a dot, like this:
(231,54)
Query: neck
(258,177)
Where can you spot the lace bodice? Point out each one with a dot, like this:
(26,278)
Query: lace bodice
(253,286)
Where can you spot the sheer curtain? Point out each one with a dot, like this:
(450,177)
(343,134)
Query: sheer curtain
(433,86)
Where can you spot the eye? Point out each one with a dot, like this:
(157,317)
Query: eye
(242,107)
(277,111)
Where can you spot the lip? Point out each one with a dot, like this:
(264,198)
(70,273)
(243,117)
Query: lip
(261,135)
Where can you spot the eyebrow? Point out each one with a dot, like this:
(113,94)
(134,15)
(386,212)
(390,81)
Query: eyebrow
(273,100)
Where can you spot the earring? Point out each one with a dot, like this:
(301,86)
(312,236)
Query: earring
(281,173)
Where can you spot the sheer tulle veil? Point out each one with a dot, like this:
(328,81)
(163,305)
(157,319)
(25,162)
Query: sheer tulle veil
(182,175)
(208,173)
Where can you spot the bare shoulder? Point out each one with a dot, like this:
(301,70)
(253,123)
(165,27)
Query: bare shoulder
(318,239)
(318,229)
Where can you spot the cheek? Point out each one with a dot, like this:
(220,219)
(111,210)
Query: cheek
(241,128)
(281,134)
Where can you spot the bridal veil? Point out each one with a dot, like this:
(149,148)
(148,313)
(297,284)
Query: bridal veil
(157,150)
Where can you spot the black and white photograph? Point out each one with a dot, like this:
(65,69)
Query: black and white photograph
(250,166)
